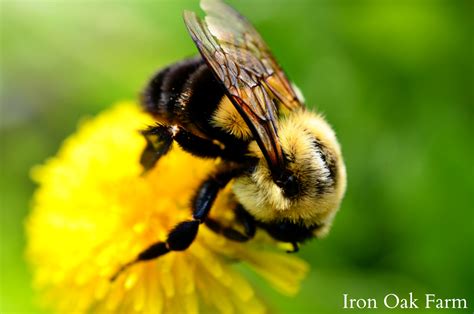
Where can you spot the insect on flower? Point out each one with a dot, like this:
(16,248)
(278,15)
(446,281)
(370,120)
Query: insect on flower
(234,103)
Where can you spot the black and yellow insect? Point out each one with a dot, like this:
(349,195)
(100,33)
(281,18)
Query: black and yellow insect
(234,102)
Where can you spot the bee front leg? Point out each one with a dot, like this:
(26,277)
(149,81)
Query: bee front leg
(183,234)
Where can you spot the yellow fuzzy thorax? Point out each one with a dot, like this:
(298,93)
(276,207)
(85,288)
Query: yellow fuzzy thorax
(228,119)
(93,212)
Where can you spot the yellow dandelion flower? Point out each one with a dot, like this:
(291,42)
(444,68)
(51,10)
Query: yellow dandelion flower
(94,212)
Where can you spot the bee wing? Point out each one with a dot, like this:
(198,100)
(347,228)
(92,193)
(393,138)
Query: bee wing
(253,80)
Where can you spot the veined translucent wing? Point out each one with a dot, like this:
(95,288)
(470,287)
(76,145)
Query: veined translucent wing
(253,80)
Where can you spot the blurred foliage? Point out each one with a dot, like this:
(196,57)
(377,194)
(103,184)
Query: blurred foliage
(394,78)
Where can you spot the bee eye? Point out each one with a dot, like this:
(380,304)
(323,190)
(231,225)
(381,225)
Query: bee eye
(289,183)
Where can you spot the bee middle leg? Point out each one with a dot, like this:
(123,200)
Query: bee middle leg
(158,142)
(183,234)
(242,217)
(160,137)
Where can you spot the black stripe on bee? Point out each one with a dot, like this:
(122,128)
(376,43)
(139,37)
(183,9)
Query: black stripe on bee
(161,95)
(201,95)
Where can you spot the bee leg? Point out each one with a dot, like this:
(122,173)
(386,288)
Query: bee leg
(196,145)
(158,142)
(179,239)
(159,139)
(243,217)
(183,234)
(295,249)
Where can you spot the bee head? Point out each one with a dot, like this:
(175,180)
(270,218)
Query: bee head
(310,186)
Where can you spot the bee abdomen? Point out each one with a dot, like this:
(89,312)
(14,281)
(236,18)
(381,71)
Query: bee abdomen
(188,94)
(201,95)
(161,95)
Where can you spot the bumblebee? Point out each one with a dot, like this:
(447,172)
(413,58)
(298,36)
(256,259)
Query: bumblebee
(235,103)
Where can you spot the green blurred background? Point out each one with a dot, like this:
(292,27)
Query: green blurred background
(394,79)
